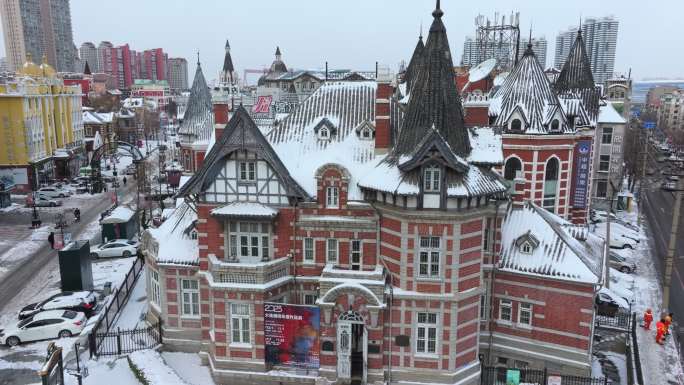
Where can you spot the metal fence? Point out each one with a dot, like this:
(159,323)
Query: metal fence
(119,299)
(126,341)
(500,376)
(621,320)
(634,346)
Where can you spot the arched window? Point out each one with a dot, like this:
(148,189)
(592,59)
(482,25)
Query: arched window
(324,133)
(516,125)
(551,184)
(555,125)
(512,168)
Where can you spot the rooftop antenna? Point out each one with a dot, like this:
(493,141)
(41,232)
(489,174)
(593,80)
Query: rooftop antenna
(420,35)
(198,59)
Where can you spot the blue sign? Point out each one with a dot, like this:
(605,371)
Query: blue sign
(580,183)
(650,125)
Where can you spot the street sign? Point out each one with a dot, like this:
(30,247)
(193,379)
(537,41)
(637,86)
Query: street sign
(649,125)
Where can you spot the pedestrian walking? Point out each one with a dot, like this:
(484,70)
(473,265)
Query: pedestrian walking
(668,322)
(124,180)
(51,240)
(77,215)
(648,318)
(660,331)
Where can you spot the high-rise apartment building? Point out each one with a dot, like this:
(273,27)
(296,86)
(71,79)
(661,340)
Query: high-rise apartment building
(539,46)
(40,28)
(88,53)
(178,73)
(3,64)
(103,55)
(600,39)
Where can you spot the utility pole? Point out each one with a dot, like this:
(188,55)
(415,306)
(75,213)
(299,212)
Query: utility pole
(606,254)
(672,245)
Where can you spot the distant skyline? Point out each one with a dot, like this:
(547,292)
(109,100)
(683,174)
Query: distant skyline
(360,33)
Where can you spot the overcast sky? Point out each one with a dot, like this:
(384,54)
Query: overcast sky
(356,33)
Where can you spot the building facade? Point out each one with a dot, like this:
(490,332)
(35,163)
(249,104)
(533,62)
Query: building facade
(383,228)
(600,37)
(88,53)
(178,74)
(539,46)
(42,128)
(40,28)
(670,113)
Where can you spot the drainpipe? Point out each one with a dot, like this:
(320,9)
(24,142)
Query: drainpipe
(391,288)
(294,250)
(490,293)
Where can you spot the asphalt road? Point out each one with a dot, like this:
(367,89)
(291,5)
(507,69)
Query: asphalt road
(21,275)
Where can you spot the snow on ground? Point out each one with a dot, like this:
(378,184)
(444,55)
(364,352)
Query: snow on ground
(132,315)
(155,370)
(113,371)
(23,249)
(660,364)
(189,367)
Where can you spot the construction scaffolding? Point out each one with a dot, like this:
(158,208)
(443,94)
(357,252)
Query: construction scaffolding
(499,39)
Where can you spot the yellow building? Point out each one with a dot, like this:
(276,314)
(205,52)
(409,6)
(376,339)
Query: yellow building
(41,128)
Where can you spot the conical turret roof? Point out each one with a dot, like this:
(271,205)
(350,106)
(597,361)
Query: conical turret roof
(576,80)
(198,121)
(435,101)
(228,60)
(415,64)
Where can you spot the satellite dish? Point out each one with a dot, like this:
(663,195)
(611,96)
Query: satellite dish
(481,70)
(499,79)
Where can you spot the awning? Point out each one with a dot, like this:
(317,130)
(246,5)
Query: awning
(245,210)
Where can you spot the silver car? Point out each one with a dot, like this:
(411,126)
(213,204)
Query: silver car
(621,263)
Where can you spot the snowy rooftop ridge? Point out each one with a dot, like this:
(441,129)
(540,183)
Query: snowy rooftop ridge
(171,243)
(245,209)
(564,251)
(121,214)
(608,114)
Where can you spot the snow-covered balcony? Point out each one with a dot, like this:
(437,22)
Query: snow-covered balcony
(249,273)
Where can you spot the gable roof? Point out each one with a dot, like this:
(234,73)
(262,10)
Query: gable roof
(433,141)
(564,251)
(528,90)
(241,133)
(434,100)
(171,242)
(198,121)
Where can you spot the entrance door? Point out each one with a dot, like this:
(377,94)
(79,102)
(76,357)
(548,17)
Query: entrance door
(352,349)
(344,331)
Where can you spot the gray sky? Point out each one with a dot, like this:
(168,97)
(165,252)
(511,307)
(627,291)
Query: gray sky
(356,33)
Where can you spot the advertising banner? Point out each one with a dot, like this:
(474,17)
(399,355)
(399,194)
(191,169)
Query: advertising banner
(291,334)
(580,182)
(263,105)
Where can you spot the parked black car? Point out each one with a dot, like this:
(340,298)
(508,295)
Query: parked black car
(79,301)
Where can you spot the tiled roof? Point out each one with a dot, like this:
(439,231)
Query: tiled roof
(198,121)
(527,90)
(415,64)
(563,250)
(434,100)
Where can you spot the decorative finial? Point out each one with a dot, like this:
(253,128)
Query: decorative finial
(198,59)
(529,42)
(437,13)
(420,35)
(579,30)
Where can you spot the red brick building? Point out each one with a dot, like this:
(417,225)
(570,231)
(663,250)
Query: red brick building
(381,210)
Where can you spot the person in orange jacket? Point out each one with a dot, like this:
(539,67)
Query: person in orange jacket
(660,331)
(648,318)
(668,322)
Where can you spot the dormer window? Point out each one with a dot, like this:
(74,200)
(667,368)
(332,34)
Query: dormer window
(366,133)
(193,235)
(527,242)
(332,197)
(365,130)
(324,133)
(516,125)
(431,179)
(555,125)
(526,248)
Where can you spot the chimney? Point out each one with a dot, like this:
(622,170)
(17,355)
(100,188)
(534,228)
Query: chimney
(221,110)
(382,111)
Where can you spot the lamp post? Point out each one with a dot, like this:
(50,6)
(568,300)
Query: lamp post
(672,245)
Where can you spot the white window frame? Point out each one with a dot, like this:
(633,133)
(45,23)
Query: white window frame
(355,251)
(310,299)
(432,179)
(508,304)
(332,197)
(240,325)
(526,248)
(608,135)
(426,323)
(309,250)
(190,297)
(483,307)
(605,192)
(329,249)
(237,235)
(155,288)
(247,171)
(602,162)
(429,248)
(529,310)
(324,133)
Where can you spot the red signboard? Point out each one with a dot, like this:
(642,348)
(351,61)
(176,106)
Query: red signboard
(291,334)
(263,104)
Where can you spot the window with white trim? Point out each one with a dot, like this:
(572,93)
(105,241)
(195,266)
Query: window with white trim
(324,133)
(332,251)
(431,179)
(355,254)
(526,248)
(607,135)
(310,299)
(426,333)
(525,314)
(505,310)
(249,239)
(155,289)
(309,250)
(239,323)
(483,307)
(429,257)
(247,172)
(190,297)
(332,197)
(604,162)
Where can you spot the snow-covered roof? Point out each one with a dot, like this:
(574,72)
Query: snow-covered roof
(198,119)
(120,214)
(564,251)
(345,105)
(486,146)
(608,114)
(245,209)
(92,117)
(171,242)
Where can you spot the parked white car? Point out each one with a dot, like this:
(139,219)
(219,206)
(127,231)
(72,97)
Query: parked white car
(44,325)
(45,201)
(115,248)
(54,192)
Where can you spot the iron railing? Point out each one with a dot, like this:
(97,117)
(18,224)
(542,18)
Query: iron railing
(119,342)
(492,375)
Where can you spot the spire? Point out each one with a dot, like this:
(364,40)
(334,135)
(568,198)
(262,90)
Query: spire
(434,101)
(198,59)
(198,122)
(228,67)
(576,71)
(277,54)
(86,70)
(420,35)
(415,63)
(227,46)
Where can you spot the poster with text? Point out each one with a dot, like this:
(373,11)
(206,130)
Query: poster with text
(291,334)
